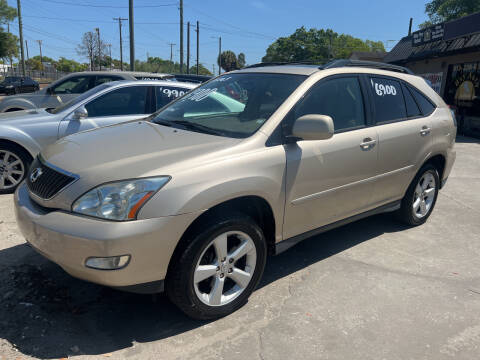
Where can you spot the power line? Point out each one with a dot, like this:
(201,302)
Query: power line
(106,6)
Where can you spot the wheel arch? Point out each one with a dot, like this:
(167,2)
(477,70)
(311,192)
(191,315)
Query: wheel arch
(254,206)
(439,161)
(22,142)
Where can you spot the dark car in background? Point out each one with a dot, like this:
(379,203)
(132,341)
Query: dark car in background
(18,84)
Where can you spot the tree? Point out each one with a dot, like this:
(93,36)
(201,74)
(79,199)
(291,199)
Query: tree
(8,42)
(87,47)
(202,70)
(241,60)
(90,47)
(445,10)
(67,65)
(227,60)
(317,46)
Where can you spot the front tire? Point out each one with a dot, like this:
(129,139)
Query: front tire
(14,164)
(218,267)
(421,197)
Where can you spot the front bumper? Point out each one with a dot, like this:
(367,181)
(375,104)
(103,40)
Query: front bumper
(69,239)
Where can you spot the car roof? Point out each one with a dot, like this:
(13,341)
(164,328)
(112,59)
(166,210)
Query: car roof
(308,69)
(120,73)
(181,84)
(299,69)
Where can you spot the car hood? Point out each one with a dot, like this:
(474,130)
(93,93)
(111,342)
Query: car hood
(131,150)
(17,118)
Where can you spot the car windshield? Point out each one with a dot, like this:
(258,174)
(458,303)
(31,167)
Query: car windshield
(78,99)
(233,105)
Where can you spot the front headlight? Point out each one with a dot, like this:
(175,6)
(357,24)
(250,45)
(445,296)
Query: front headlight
(119,201)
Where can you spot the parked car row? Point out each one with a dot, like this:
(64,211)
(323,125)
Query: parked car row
(24,133)
(191,199)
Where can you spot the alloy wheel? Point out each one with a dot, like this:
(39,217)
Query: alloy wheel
(225,268)
(12,170)
(424,195)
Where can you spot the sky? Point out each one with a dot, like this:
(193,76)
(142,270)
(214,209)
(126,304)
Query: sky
(247,26)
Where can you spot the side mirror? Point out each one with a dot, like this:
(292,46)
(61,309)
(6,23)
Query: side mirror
(80,113)
(313,127)
(49,90)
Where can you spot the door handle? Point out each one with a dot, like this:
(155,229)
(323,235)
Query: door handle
(368,143)
(425,131)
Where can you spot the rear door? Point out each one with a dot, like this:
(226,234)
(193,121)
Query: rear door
(404,133)
(166,94)
(329,180)
(119,105)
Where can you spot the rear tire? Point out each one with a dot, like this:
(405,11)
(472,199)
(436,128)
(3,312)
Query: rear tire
(208,280)
(14,164)
(421,197)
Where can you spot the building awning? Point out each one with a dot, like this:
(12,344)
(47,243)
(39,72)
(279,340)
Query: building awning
(457,36)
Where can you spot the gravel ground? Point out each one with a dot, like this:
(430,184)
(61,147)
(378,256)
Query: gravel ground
(369,290)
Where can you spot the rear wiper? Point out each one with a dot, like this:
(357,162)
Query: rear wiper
(194,126)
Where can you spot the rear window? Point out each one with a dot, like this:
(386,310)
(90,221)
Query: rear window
(425,104)
(388,100)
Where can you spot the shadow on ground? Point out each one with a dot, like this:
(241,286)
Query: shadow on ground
(46,313)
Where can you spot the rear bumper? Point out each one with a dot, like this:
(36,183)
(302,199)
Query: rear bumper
(69,239)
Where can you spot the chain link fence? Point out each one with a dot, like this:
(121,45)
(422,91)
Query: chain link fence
(41,76)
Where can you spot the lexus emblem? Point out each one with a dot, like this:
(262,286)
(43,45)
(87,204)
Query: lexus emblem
(35,174)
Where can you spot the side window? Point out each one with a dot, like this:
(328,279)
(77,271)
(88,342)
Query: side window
(124,101)
(412,107)
(74,85)
(388,100)
(104,79)
(339,98)
(425,105)
(166,94)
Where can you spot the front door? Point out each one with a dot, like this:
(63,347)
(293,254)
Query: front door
(328,180)
(119,105)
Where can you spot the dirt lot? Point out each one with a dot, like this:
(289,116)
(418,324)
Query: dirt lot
(370,290)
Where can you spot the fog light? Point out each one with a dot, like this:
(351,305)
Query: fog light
(108,263)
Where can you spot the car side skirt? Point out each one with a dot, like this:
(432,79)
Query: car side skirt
(288,243)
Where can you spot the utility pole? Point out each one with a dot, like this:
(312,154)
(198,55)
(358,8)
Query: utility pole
(40,45)
(213,69)
(20,32)
(11,61)
(26,48)
(171,51)
(410,27)
(132,37)
(181,36)
(188,47)
(198,37)
(121,43)
(110,52)
(99,49)
(219,55)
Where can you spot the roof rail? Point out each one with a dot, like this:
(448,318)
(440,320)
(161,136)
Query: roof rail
(367,64)
(279,63)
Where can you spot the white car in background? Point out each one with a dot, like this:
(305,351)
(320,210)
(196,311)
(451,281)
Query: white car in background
(24,133)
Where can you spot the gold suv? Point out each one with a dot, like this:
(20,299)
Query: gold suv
(192,199)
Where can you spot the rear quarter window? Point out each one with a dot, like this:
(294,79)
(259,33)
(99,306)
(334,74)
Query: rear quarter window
(425,104)
(388,100)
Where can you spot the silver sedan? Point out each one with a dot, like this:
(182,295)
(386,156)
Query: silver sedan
(24,133)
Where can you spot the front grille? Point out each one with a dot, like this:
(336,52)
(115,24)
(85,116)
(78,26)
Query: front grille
(47,181)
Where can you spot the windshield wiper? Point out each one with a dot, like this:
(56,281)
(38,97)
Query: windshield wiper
(191,126)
